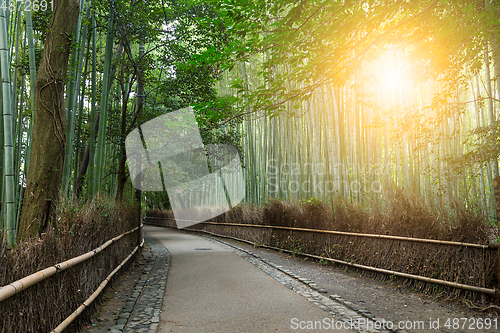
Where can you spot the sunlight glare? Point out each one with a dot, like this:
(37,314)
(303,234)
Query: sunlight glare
(391,78)
(390,71)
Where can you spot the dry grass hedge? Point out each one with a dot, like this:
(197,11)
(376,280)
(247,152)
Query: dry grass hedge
(79,228)
(403,216)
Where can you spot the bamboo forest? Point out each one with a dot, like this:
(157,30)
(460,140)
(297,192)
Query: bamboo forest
(272,158)
(323,99)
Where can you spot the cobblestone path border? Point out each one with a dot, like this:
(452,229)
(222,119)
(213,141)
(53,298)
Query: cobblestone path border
(141,313)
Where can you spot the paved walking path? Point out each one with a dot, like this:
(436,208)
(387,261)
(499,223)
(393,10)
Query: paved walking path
(193,283)
(210,289)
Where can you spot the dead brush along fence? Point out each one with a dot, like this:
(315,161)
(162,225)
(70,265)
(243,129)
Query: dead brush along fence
(420,240)
(492,292)
(19,285)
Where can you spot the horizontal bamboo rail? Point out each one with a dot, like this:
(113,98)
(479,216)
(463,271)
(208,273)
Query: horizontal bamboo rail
(96,293)
(492,292)
(410,239)
(19,285)
(333,232)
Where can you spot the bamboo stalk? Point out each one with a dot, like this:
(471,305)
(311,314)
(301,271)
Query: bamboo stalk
(91,166)
(15,52)
(18,152)
(73,87)
(80,112)
(104,103)
(2,171)
(9,182)
(490,102)
(32,70)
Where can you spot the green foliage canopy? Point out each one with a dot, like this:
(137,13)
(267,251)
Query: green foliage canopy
(307,44)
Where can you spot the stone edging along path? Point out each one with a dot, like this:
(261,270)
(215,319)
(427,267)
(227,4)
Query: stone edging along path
(142,310)
(141,313)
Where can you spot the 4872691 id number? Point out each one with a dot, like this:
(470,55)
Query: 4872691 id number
(471,323)
(27,5)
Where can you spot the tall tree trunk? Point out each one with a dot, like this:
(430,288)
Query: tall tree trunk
(86,158)
(47,154)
